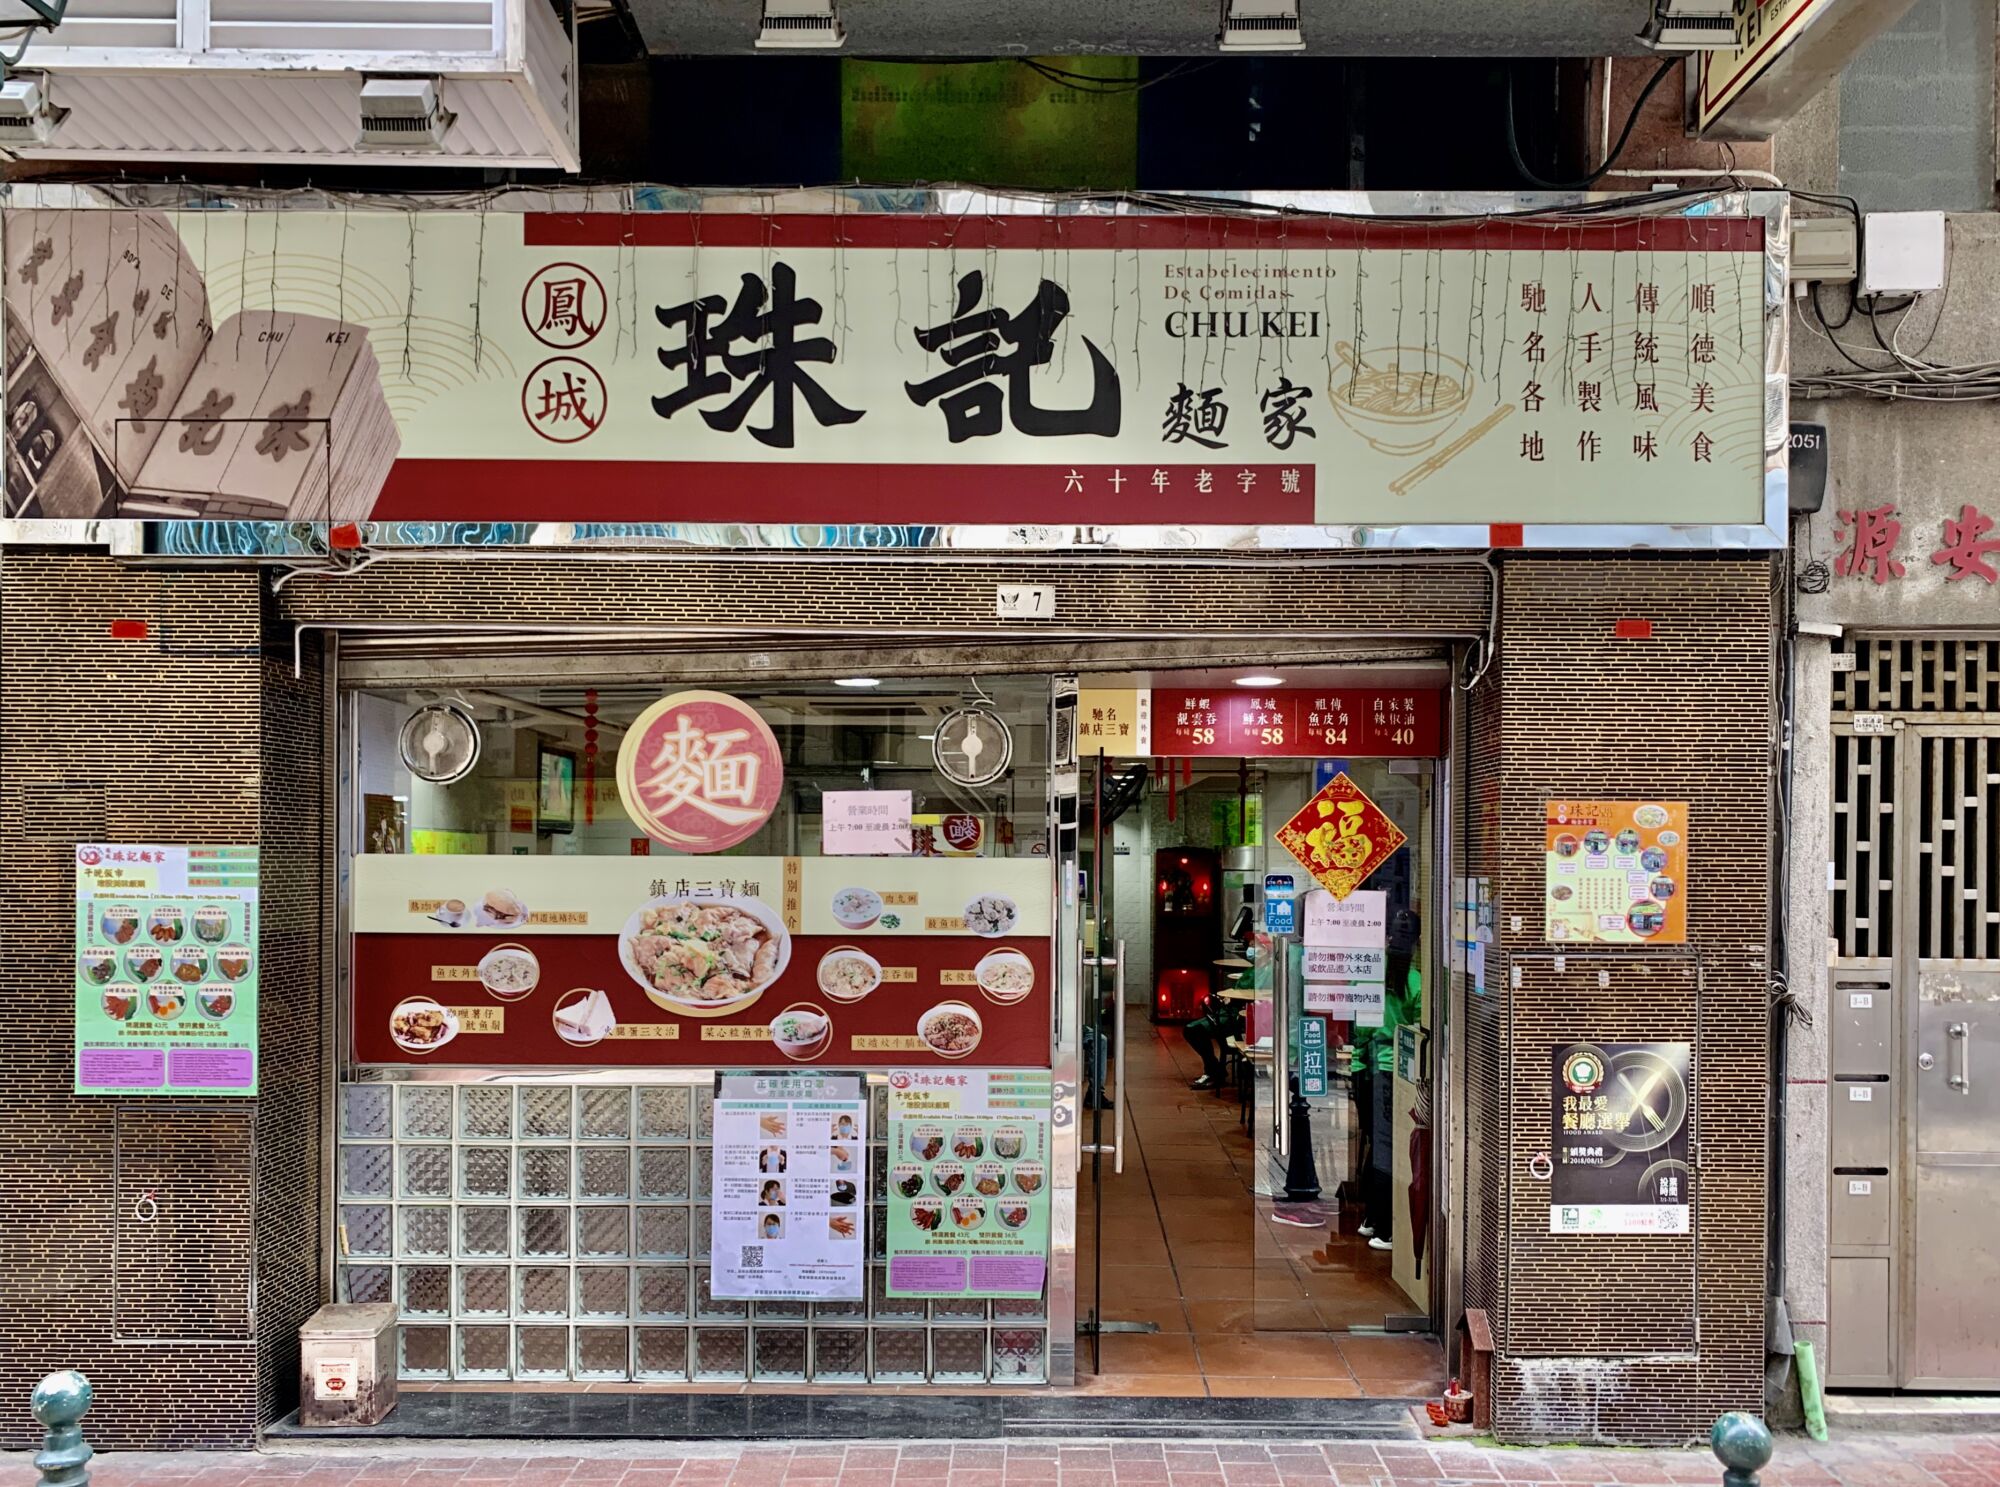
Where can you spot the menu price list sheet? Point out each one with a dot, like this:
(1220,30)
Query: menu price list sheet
(969,1182)
(791,1162)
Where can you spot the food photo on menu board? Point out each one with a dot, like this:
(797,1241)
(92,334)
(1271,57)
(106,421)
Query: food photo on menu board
(588,961)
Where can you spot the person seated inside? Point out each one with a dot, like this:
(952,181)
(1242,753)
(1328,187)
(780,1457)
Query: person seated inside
(1222,1020)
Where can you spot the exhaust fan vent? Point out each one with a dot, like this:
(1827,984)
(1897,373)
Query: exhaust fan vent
(800,23)
(402,113)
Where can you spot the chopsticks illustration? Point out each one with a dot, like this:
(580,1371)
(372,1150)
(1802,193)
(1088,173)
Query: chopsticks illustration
(1402,483)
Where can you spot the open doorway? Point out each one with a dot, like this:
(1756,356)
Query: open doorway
(1218,1261)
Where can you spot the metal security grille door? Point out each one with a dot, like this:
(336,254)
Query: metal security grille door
(559,1231)
(1915,1000)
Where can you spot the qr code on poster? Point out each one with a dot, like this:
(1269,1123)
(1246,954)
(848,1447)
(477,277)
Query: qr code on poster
(753,1257)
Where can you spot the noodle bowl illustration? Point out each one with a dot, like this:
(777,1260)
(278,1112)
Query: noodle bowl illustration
(1401,399)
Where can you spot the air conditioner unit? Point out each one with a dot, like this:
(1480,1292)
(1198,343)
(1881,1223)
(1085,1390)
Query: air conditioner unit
(402,113)
(1261,26)
(800,23)
(26,115)
(1691,26)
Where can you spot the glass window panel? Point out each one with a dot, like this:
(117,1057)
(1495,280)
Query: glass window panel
(483,1231)
(544,1171)
(958,1355)
(426,1171)
(708,1305)
(663,1291)
(1020,1355)
(781,1355)
(482,1352)
(426,1111)
(704,1113)
(544,1290)
(721,1354)
(366,1228)
(603,1291)
(885,1306)
(545,1112)
(605,1114)
(482,1292)
(663,1233)
(899,1355)
(604,1233)
(485,1113)
(364,1110)
(663,1112)
(840,1355)
(544,1233)
(541,1352)
(426,1290)
(369,1283)
(958,1309)
(665,1172)
(426,1230)
(604,1172)
(603,1352)
(367,1171)
(661,1354)
(426,1352)
(485,1171)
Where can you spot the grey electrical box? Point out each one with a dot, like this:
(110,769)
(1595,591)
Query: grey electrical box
(1825,250)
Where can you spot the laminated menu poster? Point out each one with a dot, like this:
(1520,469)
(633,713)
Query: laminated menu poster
(1617,872)
(738,962)
(968,1183)
(166,970)
(1622,1118)
(790,1199)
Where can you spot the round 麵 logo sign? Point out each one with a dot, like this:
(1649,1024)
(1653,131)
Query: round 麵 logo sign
(700,771)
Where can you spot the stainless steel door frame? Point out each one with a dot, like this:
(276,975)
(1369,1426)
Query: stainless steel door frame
(1947,838)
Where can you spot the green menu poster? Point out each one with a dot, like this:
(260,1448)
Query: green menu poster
(166,970)
(968,1182)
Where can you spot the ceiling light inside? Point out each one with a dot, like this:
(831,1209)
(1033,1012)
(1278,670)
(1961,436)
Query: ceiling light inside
(1260,681)
(857,681)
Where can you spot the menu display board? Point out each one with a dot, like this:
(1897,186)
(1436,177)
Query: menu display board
(1300,723)
(551,962)
(1616,872)
(166,970)
(791,1167)
(1621,1119)
(968,1183)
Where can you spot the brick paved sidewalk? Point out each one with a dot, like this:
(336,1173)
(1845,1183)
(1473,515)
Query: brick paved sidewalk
(1900,1461)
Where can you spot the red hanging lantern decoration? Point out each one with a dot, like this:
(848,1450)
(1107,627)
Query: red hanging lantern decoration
(590,757)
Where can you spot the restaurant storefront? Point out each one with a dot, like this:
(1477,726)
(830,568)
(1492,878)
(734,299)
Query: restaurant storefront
(703,953)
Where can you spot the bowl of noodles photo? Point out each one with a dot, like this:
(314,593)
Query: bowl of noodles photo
(847,974)
(1401,399)
(1005,976)
(704,957)
(950,1029)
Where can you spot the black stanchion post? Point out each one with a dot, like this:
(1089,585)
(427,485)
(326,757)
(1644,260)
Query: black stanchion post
(1301,1172)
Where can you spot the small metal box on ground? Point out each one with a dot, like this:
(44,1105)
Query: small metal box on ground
(347,1365)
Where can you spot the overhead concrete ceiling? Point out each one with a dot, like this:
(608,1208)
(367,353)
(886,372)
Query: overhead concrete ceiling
(1178,28)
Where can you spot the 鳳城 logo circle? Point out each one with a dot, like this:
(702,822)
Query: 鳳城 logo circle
(563,305)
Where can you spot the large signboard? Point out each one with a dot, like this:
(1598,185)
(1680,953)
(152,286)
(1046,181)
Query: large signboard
(1622,1115)
(791,1179)
(979,370)
(167,963)
(968,1183)
(1764,29)
(550,962)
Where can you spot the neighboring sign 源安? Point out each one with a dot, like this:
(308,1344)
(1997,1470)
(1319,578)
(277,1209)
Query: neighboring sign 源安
(1621,1120)
(977,370)
(1616,872)
(969,1183)
(790,1197)
(166,970)
(865,823)
(700,771)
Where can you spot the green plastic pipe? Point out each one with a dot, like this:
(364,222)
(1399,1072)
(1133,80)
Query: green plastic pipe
(1809,1390)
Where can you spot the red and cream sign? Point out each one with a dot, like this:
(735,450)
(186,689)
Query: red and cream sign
(700,771)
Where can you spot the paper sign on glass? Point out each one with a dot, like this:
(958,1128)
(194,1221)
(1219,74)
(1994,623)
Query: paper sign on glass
(1344,963)
(1361,920)
(866,823)
(1355,1003)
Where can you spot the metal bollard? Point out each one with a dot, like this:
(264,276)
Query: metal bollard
(61,1401)
(1301,1172)
(1743,1445)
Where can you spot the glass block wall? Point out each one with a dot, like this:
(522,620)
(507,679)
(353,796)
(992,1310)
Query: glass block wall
(558,1231)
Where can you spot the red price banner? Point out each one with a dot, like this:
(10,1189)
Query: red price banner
(1299,723)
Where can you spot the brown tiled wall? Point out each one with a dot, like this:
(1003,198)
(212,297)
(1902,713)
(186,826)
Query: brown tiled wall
(1621,1337)
(181,1319)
